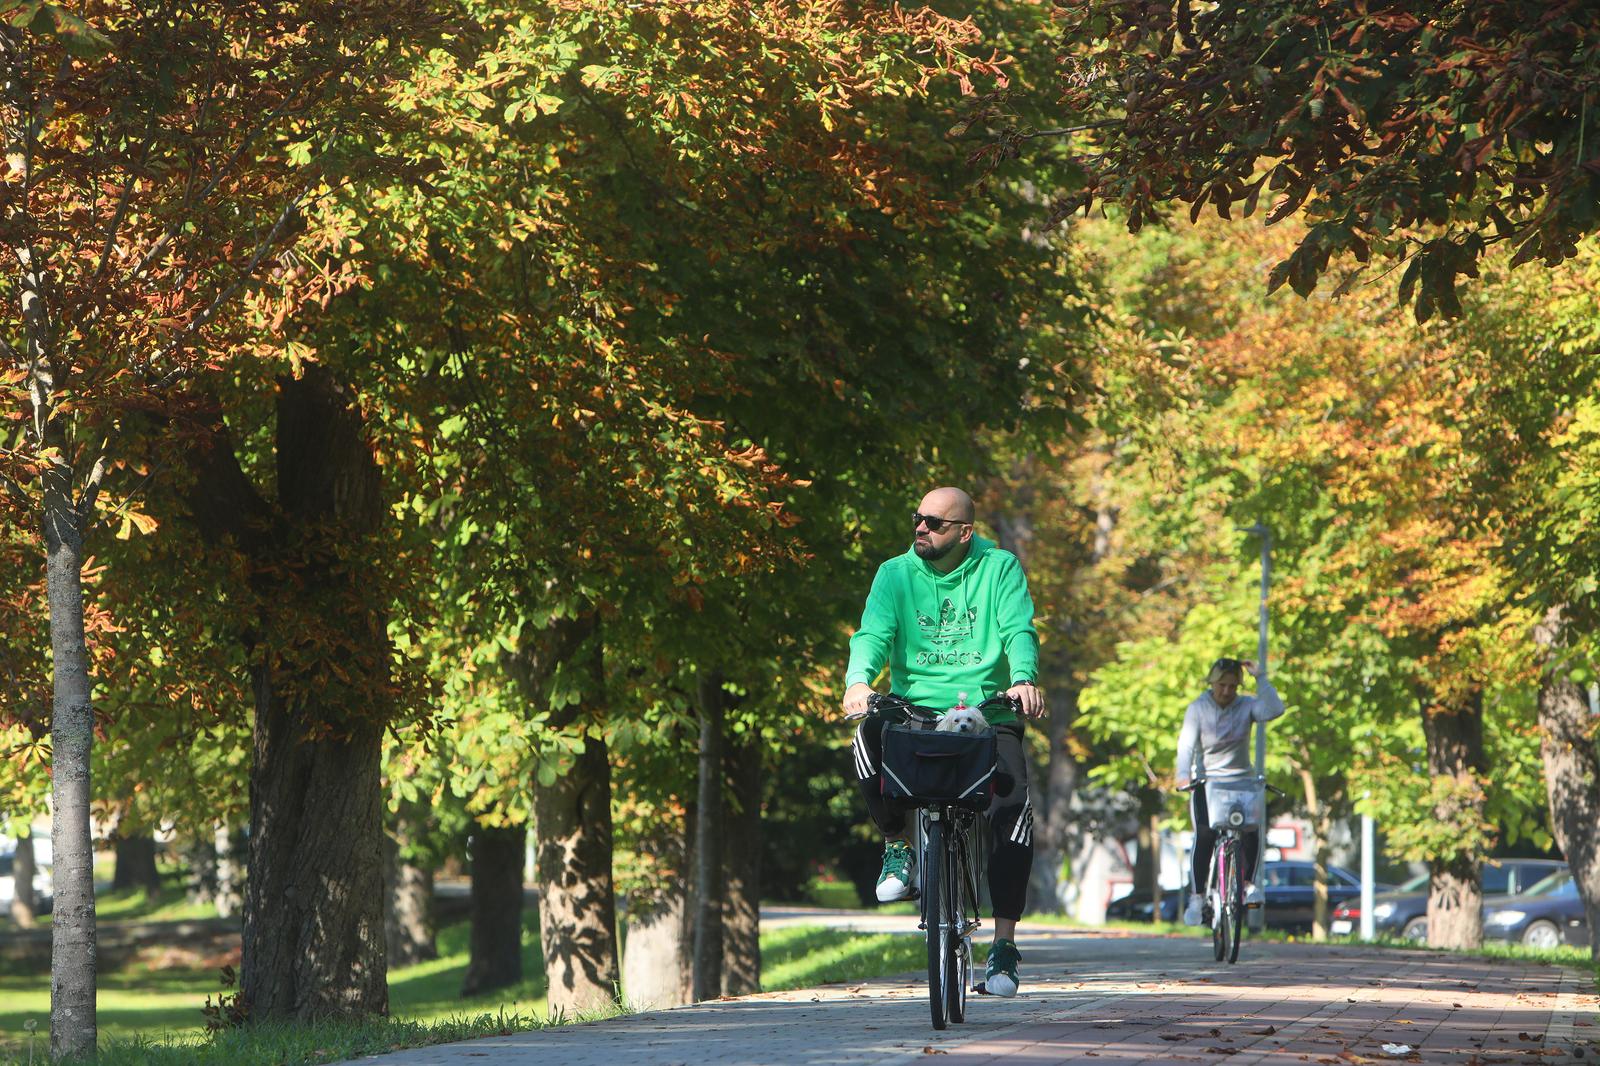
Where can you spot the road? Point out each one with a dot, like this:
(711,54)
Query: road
(1116,999)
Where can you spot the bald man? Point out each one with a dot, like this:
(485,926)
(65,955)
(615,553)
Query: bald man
(952,615)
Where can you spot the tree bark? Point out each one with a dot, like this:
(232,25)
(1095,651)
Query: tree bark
(409,933)
(1455,750)
(1053,802)
(577,896)
(708,885)
(741,912)
(1321,827)
(72,932)
(313,910)
(658,954)
(24,906)
(230,872)
(136,865)
(199,854)
(1147,860)
(1571,767)
(496,945)
(314,900)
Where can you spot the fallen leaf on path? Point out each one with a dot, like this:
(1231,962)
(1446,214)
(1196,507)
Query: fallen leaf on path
(930,1050)
(1173,1036)
(1214,1032)
(1222,1051)
(1268,1031)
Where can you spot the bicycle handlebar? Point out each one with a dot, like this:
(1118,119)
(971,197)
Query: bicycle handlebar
(1198,781)
(892,708)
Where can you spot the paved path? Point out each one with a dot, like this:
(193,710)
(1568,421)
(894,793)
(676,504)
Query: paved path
(1116,1000)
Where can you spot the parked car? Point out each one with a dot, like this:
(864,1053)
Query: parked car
(1289,886)
(1404,912)
(1135,907)
(1548,914)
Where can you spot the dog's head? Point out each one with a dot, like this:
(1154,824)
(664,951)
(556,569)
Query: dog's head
(964,720)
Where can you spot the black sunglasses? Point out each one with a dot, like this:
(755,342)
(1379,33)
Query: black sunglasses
(933,522)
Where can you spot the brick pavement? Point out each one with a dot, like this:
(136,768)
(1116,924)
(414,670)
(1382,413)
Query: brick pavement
(1111,1000)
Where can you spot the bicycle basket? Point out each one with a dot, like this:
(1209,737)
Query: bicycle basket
(925,768)
(1228,795)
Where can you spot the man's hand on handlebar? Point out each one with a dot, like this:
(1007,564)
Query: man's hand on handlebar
(1030,697)
(855,699)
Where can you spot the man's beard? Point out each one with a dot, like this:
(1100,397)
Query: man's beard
(929,552)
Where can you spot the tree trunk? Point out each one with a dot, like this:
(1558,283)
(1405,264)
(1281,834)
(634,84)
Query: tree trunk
(199,854)
(708,843)
(1147,860)
(1455,751)
(23,868)
(230,871)
(1321,827)
(741,912)
(314,901)
(408,918)
(313,911)
(496,955)
(136,865)
(1571,768)
(1053,803)
(72,930)
(658,954)
(577,900)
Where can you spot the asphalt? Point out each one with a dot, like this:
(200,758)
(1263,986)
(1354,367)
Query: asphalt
(1116,999)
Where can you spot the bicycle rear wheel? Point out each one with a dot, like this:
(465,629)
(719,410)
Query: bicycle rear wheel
(1235,902)
(935,886)
(958,973)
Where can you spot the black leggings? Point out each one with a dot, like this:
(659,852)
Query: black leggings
(1010,814)
(1205,842)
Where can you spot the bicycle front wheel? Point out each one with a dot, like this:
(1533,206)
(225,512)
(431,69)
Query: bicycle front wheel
(958,886)
(1235,901)
(1222,889)
(935,888)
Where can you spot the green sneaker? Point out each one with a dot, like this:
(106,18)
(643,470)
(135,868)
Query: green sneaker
(1000,978)
(898,871)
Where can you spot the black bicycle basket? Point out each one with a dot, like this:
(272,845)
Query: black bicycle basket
(924,768)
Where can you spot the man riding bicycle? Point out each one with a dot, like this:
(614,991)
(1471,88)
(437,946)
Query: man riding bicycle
(951,616)
(1216,734)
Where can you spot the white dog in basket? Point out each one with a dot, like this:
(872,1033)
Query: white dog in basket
(963,720)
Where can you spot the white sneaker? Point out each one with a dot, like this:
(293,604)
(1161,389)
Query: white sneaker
(899,870)
(1194,913)
(1253,896)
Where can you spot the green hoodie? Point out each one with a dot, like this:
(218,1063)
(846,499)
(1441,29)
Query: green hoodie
(970,630)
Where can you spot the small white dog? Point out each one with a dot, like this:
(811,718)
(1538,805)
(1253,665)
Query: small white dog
(963,720)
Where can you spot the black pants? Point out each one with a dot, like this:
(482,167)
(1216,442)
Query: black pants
(1205,842)
(1010,814)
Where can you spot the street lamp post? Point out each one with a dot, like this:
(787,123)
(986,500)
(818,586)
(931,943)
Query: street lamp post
(1258,916)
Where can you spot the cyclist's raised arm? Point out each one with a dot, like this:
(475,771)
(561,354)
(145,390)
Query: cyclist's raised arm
(1188,745)
(1269,704)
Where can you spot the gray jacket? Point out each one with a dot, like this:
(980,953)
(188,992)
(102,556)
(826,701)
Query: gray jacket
(1219,737)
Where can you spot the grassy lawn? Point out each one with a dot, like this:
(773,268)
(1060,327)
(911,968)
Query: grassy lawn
(164,1005)
(154,1015)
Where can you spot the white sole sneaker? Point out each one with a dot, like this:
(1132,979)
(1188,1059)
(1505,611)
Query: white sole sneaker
(1000,985)
(892,891)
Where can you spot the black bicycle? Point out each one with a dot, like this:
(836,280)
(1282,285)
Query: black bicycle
(949,778)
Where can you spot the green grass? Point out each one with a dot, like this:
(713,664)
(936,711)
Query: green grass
(153,1016)
(143,1010)
(803,956)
